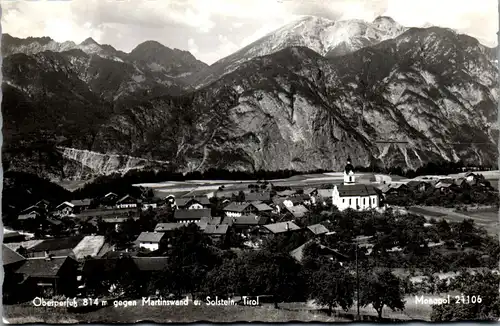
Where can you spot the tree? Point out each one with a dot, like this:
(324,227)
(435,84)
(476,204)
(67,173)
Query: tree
(191,258)
(480,285)
(333,286)
(382,289)
(276,274)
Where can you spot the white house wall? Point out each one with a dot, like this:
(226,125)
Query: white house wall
(149,245)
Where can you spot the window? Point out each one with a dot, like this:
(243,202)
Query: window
(343,200)
(357,201)
(364,201)
(349,201)
(350,179)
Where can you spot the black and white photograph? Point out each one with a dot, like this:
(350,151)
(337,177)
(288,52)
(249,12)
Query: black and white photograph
(225,161)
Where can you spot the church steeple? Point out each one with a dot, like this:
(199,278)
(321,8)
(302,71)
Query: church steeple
(349,173)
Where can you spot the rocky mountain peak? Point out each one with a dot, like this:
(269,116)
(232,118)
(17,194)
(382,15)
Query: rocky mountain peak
(89,41)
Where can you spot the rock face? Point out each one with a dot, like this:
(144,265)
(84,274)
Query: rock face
(290,107)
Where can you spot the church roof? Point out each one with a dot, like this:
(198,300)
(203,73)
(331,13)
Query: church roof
(356,190)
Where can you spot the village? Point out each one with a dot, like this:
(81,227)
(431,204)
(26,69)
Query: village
(92,247)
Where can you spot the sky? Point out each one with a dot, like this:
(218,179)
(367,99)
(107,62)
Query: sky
(213,29)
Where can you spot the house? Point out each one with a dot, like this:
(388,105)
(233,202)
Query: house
(56,247)
(11,262)
(297,211)
(126,201)
(152,203)
(192,203)
(245,208)
(150,240)
(318,229)
(81,204)
(30,215)
(65,209)
(245,223)
(323,196)
(460,182)
(109,199)
(352,195)
(91,246)
(420,186)
(445,185)
(470,177)
(168,227)
(280,228)
(216,232)
(14,236)
(48,276)
(239,209)
(264,197)
(191,215)
(323,251)
(312,192)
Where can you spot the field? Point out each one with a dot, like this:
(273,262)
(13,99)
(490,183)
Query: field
(187,188)
(488,219)
(21,314)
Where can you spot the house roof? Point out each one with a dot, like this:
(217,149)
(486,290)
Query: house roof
(57,244)
(126,197)
(32,208)
(298,253)
(105,212)
(67,203)
(189,200)
(282,227)
(81,202)
(167,226)
(106,265)
(14,234)
(254,196)
(115,219)
(236,207)
(298,211)
(9,256)
(325,193)
(54,221)
(309,191)
(318,229)
(150,236)
(216,229)
(250,219)
(262,207)
(42,267)
(151,264)
(356,190)
(27,216)
(192,214)
(211,220)
(89,246)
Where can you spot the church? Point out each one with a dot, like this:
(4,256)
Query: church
(352,195)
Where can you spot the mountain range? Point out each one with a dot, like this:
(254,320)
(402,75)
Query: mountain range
(303,97)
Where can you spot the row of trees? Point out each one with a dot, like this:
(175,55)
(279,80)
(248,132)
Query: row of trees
(198,268)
